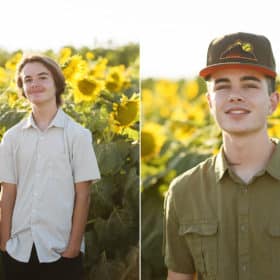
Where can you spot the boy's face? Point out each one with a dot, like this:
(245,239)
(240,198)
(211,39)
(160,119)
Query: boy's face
(38,84)
(240,101)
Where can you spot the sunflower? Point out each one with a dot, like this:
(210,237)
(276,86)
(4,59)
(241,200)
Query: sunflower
(87,89)
(75,68)
(191,89)
(152,140)
(166,88)
(4,77)
(64,55)
(166,97)
(11,64)
(181,131)
(98,70)
(117,79)
(89,55)
(126,113)
(12,98)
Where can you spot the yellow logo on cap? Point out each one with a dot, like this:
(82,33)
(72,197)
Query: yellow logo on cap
(239,50)
(247,47)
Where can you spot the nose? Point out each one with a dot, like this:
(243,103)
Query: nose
(34,83)
(236,97)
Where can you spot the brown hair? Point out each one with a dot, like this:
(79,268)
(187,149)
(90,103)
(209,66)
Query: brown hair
(51,65)
(271,83)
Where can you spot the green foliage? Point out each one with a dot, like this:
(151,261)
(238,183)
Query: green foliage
(4,56)
(176,155)
(154,186)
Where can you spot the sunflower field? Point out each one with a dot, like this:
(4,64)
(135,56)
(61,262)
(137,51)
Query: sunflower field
(177,132)
(102,94)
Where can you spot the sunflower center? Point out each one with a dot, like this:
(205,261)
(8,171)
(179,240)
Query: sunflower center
(126,115)
(148,144)
(86,87)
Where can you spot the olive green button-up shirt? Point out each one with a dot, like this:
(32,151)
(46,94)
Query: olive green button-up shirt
(221,227)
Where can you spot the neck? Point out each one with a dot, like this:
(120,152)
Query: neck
(249,154)
(43,115)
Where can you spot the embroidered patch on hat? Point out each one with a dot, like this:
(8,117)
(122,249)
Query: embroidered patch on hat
(239,49)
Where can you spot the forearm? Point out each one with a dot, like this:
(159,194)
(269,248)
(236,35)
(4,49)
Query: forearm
(79,220)
(7,207)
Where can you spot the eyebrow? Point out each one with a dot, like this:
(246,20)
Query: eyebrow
(250,78)
(245,78)
(39,74)
(222,80)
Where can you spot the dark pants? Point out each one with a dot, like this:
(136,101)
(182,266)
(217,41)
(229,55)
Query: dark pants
(64,268)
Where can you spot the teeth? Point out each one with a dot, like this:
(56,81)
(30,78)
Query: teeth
(237,112)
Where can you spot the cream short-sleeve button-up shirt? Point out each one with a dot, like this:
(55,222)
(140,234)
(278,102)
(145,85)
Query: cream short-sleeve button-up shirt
(45,166)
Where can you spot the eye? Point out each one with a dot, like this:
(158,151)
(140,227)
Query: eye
(221,87)
(43,77)
(27,80)
(251,85)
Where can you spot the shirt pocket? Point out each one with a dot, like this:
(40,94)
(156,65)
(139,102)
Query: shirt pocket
(202,239)
(274,245)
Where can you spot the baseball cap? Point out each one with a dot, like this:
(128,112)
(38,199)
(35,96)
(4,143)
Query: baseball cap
(240,50)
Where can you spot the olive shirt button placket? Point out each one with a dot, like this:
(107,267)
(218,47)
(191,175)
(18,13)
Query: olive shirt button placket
(243,236)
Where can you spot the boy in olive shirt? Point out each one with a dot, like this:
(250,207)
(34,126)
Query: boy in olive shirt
(223,216)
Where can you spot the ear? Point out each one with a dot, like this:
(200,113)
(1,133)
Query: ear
(274,101)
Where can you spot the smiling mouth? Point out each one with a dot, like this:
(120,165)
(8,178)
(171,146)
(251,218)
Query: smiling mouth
(36,92)
(237,111)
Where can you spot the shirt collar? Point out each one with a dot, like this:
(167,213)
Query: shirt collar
(58,120)
(221,165)
(29,122)
(273,165)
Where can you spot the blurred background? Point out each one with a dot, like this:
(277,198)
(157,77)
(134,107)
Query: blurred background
(100,61)
(177,130)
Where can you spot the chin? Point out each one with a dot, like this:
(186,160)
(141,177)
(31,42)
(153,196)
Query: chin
(36,101)
(241,131)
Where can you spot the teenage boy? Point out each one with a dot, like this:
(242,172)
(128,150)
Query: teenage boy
(46,169)
(223,216)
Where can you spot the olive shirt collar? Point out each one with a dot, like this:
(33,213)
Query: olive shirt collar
(273,166)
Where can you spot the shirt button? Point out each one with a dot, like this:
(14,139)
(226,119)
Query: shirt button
(244,267)
(243,228)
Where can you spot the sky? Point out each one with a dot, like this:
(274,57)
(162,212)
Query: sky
(36,25)
(173,35)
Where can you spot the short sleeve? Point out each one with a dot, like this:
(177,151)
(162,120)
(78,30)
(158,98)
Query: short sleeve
(7,166)
(176,252)
(85,167)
